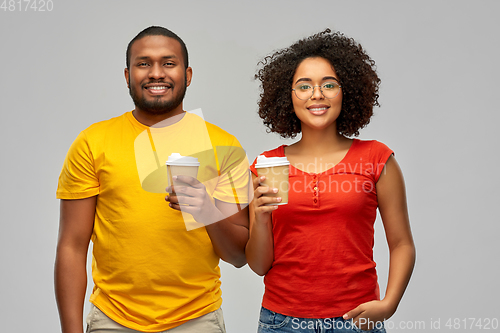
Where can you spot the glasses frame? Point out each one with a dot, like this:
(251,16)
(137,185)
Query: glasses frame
(320,89)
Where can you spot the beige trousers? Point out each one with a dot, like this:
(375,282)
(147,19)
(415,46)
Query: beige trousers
(213,322)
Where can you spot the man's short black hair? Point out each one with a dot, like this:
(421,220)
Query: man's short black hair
(158,31)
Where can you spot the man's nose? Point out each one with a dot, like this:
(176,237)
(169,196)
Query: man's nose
(157,72)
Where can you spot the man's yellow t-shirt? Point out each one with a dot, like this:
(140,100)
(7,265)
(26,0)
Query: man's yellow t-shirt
(153,267)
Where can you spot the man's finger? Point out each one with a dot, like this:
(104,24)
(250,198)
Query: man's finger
(176,201)
(187,179)
(172,198)
(175,206)
(183,191)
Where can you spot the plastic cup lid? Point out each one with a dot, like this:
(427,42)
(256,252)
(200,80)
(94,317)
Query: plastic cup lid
(266,162)
(178,159)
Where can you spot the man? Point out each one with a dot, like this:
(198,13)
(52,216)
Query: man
(155,256)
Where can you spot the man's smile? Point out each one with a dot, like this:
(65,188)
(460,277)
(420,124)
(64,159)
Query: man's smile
(157,88)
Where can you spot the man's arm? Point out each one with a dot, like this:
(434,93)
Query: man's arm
(230,235)
(70,274)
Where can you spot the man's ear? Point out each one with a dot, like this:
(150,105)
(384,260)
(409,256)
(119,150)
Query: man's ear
(189,75)
(127,77)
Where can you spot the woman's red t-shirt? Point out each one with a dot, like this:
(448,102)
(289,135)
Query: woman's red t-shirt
(323,238)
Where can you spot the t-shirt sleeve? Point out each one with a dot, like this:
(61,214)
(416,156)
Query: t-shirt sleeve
(234,178)
(78,179)
(252,167)
(379,155)
(277,152)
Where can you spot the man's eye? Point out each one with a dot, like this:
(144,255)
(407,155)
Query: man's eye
(169,64)
(142,64)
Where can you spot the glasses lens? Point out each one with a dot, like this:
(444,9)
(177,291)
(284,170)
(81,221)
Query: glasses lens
(330,89)
(303,91)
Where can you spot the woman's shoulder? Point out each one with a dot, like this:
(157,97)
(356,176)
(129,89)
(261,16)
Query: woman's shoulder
(371,145)
(372,151)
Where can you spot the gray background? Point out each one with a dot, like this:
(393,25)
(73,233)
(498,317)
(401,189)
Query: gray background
(63,70)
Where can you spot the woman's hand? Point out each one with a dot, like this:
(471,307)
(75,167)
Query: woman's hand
(367,315)
(261,203)
(260,248)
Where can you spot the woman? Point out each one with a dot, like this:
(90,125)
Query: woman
(316,251)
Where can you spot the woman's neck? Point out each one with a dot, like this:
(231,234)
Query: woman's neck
(318,151)
(320,142)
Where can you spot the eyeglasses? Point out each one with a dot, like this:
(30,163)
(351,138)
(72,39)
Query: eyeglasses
(329,89)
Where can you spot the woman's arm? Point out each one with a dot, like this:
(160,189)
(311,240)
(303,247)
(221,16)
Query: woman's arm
(393,209)
(259,249)
(391,195)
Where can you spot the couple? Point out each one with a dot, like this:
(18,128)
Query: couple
(156,246)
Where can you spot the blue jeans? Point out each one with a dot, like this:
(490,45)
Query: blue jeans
(272,322)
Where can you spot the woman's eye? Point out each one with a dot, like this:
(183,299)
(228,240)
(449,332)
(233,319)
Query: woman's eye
(329,85)
(304,87)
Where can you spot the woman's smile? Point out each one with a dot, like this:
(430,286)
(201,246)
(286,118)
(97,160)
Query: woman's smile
(318,109)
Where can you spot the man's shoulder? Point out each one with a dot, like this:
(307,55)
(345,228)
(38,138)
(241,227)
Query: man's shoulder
(104,126)
(216,130)
(218,136)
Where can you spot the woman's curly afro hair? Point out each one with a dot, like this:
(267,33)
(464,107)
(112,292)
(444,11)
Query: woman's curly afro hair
(354,68)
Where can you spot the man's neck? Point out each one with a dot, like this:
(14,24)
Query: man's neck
(158,120)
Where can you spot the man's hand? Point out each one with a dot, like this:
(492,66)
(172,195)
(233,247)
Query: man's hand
(193,198)
(230,235)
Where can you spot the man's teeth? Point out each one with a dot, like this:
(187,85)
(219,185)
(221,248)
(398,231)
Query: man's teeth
(157,88)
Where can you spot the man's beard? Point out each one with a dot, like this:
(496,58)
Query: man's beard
(157,106)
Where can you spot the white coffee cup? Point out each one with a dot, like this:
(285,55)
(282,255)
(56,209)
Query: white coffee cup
(276,170)
(178,165)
